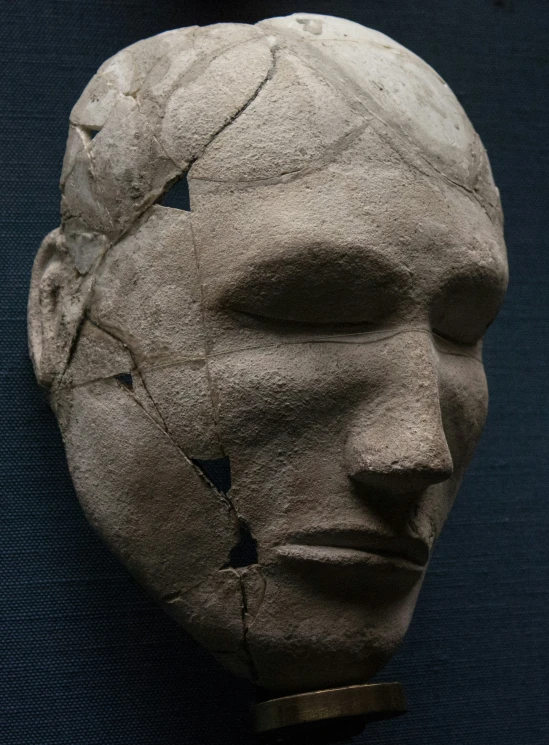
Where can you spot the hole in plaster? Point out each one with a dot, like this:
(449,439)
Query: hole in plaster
(126,380)
(177,195)
(244,552)
(91,132)
(218,470)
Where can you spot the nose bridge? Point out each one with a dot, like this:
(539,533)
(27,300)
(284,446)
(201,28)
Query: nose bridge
(397,442)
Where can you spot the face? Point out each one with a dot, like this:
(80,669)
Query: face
(320,333)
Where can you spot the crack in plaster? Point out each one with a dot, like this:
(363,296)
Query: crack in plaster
(134,371)
(213,398)
(245,628)
(176,595)
(132,395)
(72,349)
(252,617)
(173,597)
(334,151)
(331,152)
(159,363)
(89,151)
(201,63)
(85,140)
(235,516)
(268,76)
(154,197)
(399,135)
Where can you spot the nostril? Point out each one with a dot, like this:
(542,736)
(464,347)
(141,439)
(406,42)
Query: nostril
(399,458)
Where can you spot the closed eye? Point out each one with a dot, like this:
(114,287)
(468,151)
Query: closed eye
(270,322)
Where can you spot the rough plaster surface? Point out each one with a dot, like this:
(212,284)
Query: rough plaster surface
(316,317)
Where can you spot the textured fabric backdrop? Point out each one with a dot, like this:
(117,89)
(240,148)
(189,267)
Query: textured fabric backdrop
(86,658)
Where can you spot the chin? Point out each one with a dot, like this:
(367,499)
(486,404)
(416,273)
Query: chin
(303,638)
(299,664)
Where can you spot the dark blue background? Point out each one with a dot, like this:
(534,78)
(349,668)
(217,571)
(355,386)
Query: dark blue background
(86,657)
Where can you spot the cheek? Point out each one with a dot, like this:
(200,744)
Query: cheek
(285,414)
(151,507)
(282,415)
(292,395)
(270,397)
(185,403)
(464,405)
(287,398)
(140,491)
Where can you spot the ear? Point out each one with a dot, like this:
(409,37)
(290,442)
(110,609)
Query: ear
(57,300)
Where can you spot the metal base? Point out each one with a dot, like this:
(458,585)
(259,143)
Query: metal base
(359,702)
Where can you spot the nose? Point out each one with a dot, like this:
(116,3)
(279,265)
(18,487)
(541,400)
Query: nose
(397,442)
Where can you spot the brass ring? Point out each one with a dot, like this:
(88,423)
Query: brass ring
(384,699)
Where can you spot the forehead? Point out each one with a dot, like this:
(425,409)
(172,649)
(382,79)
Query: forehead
(366,206)
(330,150)
(351,152)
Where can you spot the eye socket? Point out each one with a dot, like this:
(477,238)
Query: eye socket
(314,284)
(465,308)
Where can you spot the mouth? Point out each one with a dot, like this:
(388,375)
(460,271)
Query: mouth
(357,547)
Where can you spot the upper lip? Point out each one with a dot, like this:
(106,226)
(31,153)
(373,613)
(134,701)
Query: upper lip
(404,547)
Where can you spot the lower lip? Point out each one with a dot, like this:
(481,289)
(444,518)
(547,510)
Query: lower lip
(338,556)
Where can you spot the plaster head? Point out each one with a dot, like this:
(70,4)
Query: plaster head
(314,321)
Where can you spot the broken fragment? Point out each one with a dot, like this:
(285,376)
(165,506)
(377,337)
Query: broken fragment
(97,355)
(84,245)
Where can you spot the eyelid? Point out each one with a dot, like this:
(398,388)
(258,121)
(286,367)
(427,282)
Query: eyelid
(364,333)
(295,324)
(451,339)
(471,349)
